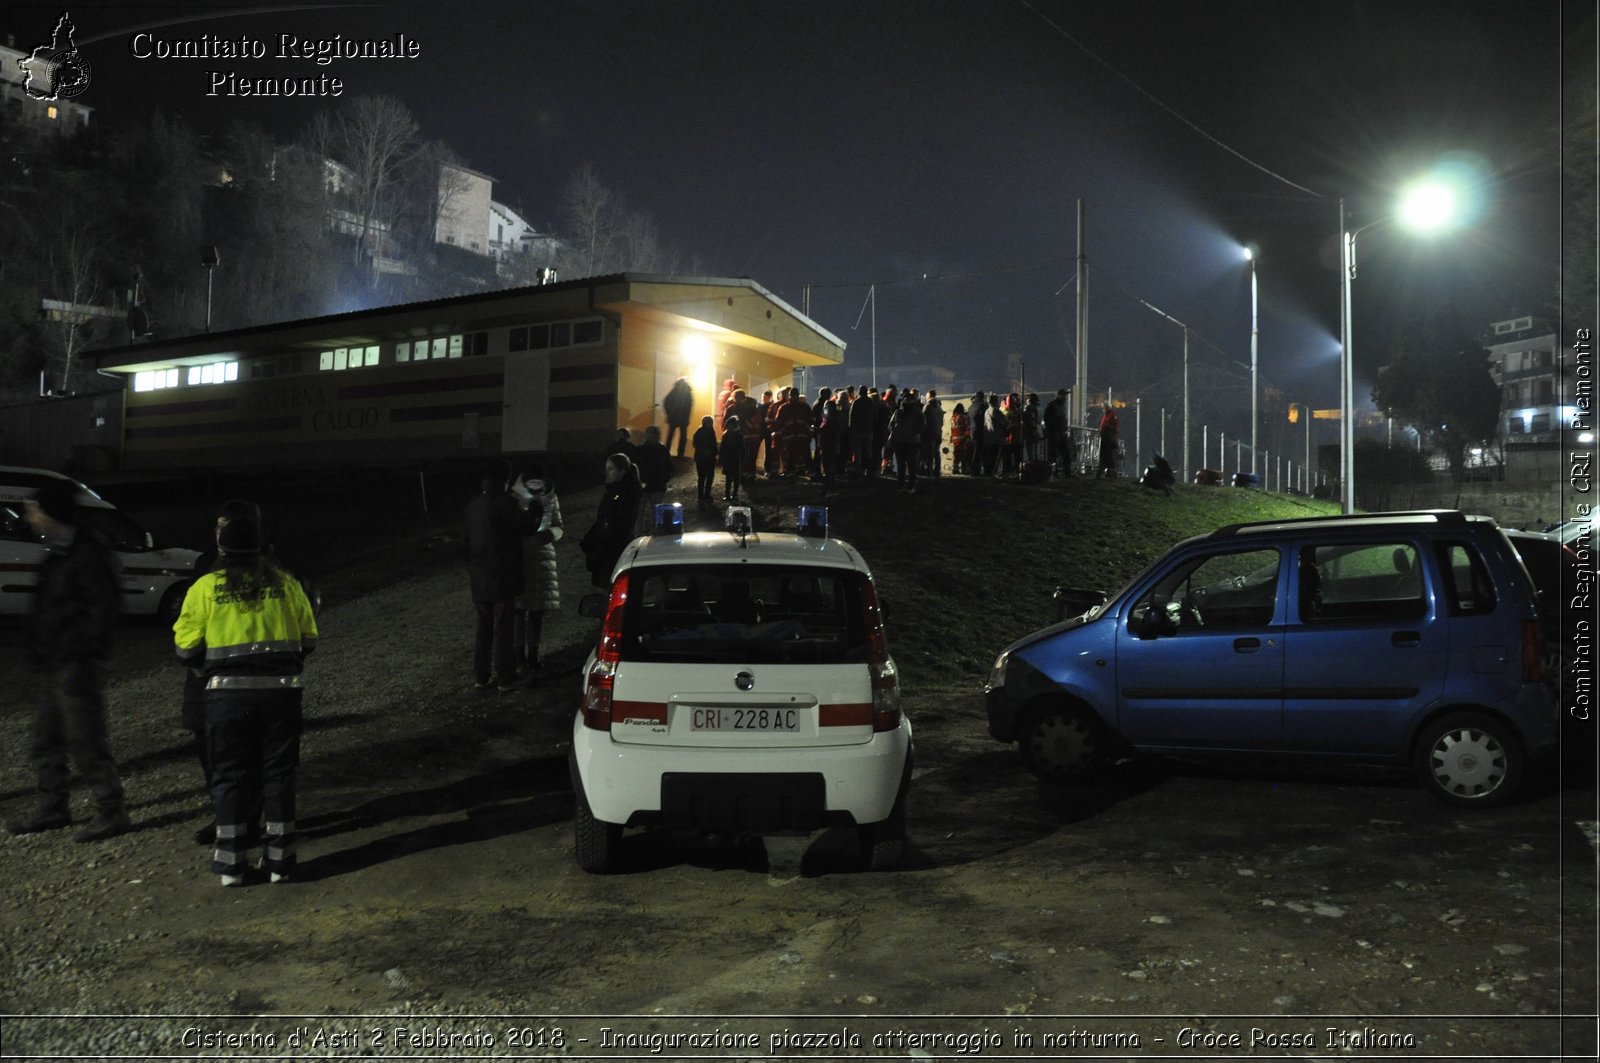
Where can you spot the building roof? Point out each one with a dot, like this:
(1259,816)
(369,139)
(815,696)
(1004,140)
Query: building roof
(658,296)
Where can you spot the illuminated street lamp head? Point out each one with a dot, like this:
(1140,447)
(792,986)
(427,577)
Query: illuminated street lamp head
(1429,205)
(1250,252)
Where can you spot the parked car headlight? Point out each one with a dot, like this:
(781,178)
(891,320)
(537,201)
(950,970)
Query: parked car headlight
(997,673)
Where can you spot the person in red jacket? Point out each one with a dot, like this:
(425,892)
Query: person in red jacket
(1108,442)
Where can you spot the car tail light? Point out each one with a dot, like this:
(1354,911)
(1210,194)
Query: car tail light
(603,673)
(1532,651)
(885,682)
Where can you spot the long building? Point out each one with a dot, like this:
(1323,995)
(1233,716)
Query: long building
(554,368)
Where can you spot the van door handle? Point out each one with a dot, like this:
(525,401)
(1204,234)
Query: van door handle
(1246,645)
(1404,640)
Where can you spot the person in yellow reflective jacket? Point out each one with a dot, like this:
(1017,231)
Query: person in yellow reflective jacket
(247,626)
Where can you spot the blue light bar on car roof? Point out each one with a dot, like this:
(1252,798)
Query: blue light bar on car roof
(668,520)
(814,522)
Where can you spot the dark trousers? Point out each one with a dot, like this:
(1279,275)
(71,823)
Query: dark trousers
(683,434)
(905,462)
(493,642)
(254,742)
(705,472)
(730,484)
(70,722)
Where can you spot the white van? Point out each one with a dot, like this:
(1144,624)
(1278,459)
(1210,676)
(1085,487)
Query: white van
(154,579)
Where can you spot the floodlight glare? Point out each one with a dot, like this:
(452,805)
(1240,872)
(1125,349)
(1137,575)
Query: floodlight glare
(1429,205)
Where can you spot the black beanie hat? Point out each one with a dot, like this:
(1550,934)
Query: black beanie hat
(239,536)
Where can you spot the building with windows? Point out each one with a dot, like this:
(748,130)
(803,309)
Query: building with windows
(554,368)
(1535,375)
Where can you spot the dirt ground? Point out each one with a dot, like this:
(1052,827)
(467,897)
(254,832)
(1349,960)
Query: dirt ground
(439,911)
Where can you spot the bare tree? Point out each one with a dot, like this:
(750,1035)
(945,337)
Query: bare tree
(73,237)
(605,236)
(375,137)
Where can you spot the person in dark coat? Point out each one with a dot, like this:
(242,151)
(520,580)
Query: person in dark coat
(613,526)
(655,472)
(678,405)
(705,459)
(75,609)
(623,444)
(732,454)
(494,528)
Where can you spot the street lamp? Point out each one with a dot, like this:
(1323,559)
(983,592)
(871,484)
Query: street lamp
(1255,361)
(1431,204)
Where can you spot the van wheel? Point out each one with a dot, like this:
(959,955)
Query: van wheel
(1061,743)
(1471,760)
(599,844)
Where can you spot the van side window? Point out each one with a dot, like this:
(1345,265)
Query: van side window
(1361,581)
(1468,587)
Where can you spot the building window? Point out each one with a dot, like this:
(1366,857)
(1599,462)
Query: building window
(155,379)
(586,333)
(519,340)
(341,358)
(215,373)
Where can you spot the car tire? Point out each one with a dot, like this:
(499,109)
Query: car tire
(172,603)
(883,844)
(1062,743)
(1470,760)
(599,844)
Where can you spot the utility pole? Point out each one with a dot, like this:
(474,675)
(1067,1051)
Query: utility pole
(1081,391)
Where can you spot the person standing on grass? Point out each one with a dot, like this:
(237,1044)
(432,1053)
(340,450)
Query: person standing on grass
(75,606)
(248,625)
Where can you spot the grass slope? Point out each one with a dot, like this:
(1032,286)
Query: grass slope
(969,565)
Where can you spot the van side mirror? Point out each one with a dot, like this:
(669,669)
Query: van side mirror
(593,606)
(1148,625)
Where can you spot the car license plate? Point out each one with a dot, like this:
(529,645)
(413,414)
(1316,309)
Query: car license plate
(754,719)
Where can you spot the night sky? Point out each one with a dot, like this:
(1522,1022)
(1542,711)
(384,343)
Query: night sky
(938,149)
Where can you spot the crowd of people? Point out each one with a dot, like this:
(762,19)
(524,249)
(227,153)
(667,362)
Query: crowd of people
(862,432)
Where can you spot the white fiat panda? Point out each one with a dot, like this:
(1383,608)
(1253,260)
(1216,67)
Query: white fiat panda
(741,685)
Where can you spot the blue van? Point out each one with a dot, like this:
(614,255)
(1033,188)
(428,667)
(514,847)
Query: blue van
(1382,638)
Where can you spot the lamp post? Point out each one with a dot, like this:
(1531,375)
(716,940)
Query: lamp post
(1427,205)
(1255,362)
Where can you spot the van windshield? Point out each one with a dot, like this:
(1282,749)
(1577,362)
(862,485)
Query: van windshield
(736,614)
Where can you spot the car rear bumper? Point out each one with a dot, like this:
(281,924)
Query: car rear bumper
(744,791)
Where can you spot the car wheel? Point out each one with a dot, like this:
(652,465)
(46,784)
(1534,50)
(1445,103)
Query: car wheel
(172,603)
(1062,743)
(883,844)
(599,844)
(1471,760)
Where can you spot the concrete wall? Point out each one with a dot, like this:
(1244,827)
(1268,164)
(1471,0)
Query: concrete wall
(1528,505)
(82,433)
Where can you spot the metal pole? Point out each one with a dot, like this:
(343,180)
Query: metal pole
(1255,390)
(1347,428)
(1082,390)
(1187,467)
(1138,430)
(1163,431)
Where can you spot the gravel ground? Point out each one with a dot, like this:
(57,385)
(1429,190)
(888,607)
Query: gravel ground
(438,882)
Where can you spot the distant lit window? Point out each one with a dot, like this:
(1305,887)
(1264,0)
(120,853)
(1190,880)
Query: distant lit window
(441,346)
(215,373)
(155,379)
(348,358)
(51,112)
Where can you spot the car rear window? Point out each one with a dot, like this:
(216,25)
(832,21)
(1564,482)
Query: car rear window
(744,613)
